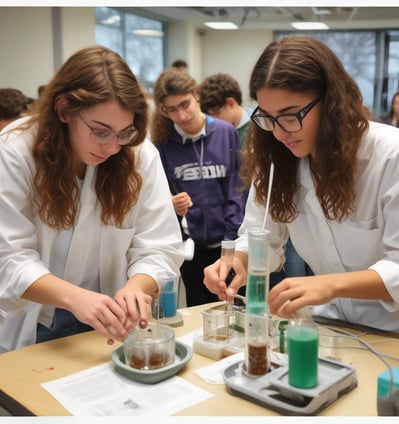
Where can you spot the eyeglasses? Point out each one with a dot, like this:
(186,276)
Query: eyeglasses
(170,110)
(104,135)
(216,111)
(289,122)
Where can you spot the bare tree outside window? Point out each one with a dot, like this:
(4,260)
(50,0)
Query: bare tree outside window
(139,40)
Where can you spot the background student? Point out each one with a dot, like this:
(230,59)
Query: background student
(13,105)
(221,97)
(200,155)
(392,118)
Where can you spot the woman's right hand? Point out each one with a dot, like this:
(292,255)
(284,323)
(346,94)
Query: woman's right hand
(215,279)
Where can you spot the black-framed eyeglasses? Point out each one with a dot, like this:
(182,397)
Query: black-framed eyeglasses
(289,122)
(105,135)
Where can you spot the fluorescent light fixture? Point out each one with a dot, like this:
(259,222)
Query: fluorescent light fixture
(309,25)
(221,25)
(148,32)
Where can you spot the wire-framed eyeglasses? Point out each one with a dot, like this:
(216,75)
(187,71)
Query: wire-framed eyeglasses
(289,122)
(105,135)
(172,110)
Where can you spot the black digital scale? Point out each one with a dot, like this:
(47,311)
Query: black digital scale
(273,391)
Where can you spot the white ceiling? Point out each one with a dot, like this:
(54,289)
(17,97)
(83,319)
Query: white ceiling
(279,18)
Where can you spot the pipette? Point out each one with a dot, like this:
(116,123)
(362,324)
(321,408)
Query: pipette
(226,263)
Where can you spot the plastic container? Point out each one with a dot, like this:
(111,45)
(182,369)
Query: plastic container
(150,348)
(218,324)
(303,347)
(168,294)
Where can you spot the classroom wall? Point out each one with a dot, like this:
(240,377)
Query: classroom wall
(234,53)
(34,41)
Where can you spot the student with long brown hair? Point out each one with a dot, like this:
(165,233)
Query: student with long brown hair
(335,190)
(87,224)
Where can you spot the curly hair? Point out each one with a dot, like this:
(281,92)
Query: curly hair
(13,103)
(91,76)
(215,89)
(171,82)
(305,65)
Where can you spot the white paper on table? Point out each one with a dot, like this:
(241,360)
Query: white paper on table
(214,373)
(189,338)
(102,391)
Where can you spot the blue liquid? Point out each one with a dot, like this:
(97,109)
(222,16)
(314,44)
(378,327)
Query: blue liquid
(169,301)
(256,294)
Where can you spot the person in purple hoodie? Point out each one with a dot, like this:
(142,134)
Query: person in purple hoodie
(200,155)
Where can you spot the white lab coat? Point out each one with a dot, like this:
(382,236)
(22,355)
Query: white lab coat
(367,239)
(149,242)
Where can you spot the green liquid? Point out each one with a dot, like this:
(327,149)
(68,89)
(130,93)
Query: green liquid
(256,294)
(303,362)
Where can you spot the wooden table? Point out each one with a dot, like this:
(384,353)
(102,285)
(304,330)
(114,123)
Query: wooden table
(22,372)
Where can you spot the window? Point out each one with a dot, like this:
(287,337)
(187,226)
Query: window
(391,68)
(371,58)
(139,40)
(357,52)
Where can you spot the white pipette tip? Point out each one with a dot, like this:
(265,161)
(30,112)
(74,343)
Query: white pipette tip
(269,190)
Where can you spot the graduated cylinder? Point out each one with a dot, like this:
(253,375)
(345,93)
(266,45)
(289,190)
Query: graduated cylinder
(257,317)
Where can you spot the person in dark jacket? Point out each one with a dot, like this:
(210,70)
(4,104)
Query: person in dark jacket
(200,155)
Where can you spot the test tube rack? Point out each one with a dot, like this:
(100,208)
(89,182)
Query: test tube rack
(273,391)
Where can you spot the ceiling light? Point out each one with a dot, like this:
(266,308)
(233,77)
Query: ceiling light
(148,32)
(309,25)
(221,25)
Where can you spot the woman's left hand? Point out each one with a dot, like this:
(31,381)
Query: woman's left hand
(294,293)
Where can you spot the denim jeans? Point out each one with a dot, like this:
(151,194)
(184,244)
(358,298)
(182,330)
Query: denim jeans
(64,324)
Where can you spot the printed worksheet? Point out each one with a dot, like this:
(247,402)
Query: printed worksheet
(102,391)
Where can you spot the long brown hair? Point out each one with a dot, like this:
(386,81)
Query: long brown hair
(89,77)
(304,64)
(171,82)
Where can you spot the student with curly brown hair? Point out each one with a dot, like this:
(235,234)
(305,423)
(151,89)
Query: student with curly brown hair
(335,190)
(87,223)
(13,104)
(221,97)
